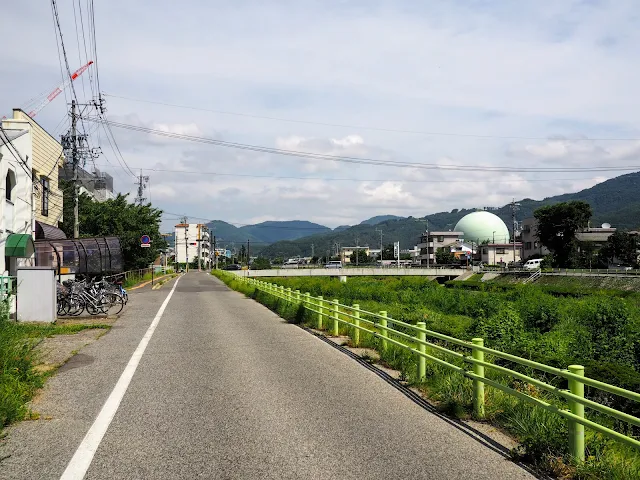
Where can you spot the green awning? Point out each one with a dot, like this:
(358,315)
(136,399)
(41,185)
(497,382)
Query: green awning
(19,245)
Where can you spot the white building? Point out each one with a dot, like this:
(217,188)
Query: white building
(192,242)
(17,205)
(501,253)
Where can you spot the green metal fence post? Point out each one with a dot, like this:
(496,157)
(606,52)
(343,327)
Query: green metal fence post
(356,324)
(336,313)
(576,430)
(478,385)
(297,292)
(422,348)
(289,294)
(307,299)
(383,323)
(321,310)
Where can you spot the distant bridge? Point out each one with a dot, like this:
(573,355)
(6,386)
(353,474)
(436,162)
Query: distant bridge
(353,272)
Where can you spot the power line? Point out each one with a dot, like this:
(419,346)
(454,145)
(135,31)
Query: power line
(362,127)
(333,179)
(14,152)
(120,159)
(55,34)
(368,161)
(92,23)
(75,21)
(64,51)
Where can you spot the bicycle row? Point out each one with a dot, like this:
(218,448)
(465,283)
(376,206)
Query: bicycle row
(91,294)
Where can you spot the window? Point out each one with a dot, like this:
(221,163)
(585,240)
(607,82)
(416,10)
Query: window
(527,246)
(485,251)
(500,251)
(44,181)
(441,238)
(10,182)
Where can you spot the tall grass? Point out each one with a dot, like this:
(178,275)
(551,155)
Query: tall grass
(19,381)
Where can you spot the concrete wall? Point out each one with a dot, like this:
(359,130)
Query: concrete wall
(351,272)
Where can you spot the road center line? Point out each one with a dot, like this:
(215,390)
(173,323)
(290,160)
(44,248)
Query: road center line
(81,460)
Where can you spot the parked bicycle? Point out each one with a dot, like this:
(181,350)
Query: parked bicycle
(94,296)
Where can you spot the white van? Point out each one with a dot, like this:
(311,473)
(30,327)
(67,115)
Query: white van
(334,264)
(534,264)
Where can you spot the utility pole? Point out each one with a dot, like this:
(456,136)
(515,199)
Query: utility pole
(428,253)
(142,183)
(312,250)
(248,253)
(74,162)
(514,208)
(186,247)
(199,240)
(380,230)
(215,254)
(357,243)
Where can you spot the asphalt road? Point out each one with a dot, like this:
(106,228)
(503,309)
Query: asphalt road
(226,389)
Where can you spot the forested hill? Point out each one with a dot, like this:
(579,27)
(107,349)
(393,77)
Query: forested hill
(616,201)
(264,233)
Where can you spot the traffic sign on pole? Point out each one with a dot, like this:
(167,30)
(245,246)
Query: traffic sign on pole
(145,241)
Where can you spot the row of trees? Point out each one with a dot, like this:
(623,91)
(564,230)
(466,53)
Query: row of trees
(557,228)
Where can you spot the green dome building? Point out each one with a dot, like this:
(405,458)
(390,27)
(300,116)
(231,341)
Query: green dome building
(483,226)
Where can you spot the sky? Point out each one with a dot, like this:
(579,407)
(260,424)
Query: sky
(544,84)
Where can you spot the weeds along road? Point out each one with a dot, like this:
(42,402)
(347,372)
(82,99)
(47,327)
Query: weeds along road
(226,389)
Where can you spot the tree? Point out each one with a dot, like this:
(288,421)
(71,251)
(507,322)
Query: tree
(243,253)
(361,258)
(116,218)
(557,227)
(388,252)
(444,256)
(622,246)
(261,263)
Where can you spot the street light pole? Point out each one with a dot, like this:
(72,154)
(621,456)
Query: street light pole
(494,248)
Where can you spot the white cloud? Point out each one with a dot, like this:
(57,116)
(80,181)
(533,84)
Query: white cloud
(564,71)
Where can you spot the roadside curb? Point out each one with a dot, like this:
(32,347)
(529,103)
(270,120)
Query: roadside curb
(148,282)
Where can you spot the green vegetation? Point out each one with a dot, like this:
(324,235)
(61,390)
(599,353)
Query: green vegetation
(600,331)
(116,218)
(261,263)
(557,227)
(19,381)
(359,257)
(623,246)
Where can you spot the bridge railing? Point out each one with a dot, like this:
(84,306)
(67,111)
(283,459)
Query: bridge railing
(472,355)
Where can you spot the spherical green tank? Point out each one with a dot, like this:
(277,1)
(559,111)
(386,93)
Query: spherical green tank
(483,226)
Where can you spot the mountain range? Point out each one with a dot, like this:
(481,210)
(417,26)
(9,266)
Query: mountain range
(615,201)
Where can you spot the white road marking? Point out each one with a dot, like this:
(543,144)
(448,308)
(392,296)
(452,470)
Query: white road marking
(79,464)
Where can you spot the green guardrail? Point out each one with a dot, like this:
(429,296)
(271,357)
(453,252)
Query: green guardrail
(7,285)
(381,326)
